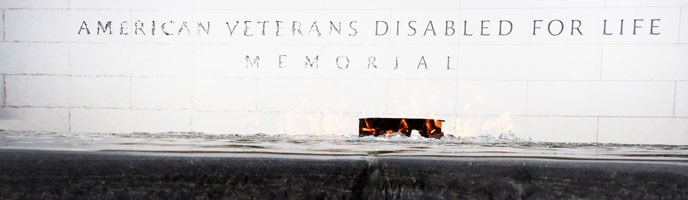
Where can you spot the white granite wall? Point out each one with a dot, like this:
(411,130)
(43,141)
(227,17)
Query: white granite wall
(630,88)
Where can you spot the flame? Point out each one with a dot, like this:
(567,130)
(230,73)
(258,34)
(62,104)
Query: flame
(428,126)
(300,121)
(475,126)
(368,129)
(502,124)
(465,129)
(403,126)
(389,133)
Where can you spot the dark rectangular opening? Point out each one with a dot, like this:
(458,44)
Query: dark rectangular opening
(429,128)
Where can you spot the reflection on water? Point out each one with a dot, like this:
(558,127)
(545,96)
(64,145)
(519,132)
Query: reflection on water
(338,145)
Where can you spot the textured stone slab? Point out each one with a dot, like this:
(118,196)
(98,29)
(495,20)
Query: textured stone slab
(31,174)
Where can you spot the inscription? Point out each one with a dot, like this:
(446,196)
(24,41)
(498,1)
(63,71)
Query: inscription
(447,28)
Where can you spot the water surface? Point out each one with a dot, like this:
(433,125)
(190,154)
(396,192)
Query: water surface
(335,145)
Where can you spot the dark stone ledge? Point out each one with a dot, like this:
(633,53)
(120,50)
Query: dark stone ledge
(35,174)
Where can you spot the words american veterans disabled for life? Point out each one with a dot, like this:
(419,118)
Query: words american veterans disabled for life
(293,29)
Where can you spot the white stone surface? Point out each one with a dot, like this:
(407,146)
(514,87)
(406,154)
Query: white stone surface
(424,97)
(127,121)
(529,62)
(31,25)
(34,4)
(2,91)
(650,62)
(262,4)
(645,3)
(132,4)
(292,95)
(362,96)
(684,26)
(358,4)
(2,25)
(64,91)
(557,129)
(491,97)
(220,94)
(681,102)
(530,3)
(223,122)
(292,123)
(161,93)
(131,59)
(21,58)
(35,119)
(600,98)
(643,130)
(430,4)
(485,125)
(542,87)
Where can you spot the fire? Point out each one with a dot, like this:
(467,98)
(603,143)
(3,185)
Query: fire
(367,128)
(438,123)
(428,126)
(475,126)
(403,126)
(389,133)
(390,126)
